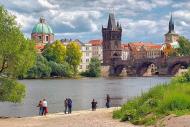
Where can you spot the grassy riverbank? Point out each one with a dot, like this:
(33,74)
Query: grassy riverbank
(158,102)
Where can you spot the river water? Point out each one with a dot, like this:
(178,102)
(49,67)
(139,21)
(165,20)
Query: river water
(81,91)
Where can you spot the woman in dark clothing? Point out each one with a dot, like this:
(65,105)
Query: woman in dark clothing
(108,101)
(94,103)
(69,106)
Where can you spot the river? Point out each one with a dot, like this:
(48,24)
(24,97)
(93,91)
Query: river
(81,91)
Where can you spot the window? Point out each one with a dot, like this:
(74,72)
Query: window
(80,66)
(87,54)
(47,38)
(87,60)
(40,37)
(87,66)
(87,48)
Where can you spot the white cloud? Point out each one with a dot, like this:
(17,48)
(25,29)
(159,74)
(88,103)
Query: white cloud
(45,3)
(140,18)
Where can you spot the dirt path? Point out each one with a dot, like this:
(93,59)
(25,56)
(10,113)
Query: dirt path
(99,118)
(174,121)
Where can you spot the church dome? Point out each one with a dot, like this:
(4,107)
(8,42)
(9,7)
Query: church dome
(42,27)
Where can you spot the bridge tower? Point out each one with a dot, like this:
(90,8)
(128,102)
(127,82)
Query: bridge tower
(111,41)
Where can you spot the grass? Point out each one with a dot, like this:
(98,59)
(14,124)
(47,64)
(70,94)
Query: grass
(159,101)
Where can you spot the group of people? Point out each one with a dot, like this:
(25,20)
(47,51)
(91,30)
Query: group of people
(94,103)
(43,109)
(68,105)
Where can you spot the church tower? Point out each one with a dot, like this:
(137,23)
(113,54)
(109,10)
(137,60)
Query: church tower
(171,36)
(111,41)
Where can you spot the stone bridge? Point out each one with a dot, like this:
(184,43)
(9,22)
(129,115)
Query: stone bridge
(161,66)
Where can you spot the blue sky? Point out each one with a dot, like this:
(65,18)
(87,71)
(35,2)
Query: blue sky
(141,20)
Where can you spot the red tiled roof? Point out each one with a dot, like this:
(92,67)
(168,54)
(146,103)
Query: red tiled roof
(124,46)
(145,44)
(95,42)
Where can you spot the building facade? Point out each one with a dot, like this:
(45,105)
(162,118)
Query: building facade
(143,50)
(125,52)
(86,49)
(111,41)
(42,34)
(97,51)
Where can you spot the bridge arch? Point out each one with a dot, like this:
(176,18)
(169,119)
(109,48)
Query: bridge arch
(174,68)
(143,67)
(118,69)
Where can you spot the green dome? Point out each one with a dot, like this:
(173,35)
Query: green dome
(42,27)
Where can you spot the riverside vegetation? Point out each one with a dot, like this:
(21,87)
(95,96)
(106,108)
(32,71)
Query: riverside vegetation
(17,55)
(19,59)
(158,102)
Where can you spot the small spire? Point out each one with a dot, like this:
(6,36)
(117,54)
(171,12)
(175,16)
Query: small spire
(120,26)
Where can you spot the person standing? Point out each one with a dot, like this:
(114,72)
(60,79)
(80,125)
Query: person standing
(45,108)
(66,105)
(69,106)
(108,101)
(40,105)
(94,103)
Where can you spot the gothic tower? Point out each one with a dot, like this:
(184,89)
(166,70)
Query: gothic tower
(171,36)
(111,41)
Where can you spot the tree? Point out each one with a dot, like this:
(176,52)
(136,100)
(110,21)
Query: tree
(11,90)
(40,70)
(74,55)
(17,55)
(55,52)
(94,68)
(184,44)
(60,69)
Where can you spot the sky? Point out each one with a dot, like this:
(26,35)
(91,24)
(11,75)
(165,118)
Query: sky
(141,20)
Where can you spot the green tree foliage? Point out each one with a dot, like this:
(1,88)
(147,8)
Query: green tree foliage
(94,68)
(60,70)
(11,90)
(40,70)
(55,52)
(17,54)
(74,55)
(184,49)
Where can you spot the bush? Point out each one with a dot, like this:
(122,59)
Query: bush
(11,90)
(40,70)
(60,69)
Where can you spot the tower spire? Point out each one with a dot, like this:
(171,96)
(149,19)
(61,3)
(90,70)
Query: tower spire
(171,24)
(111,21)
